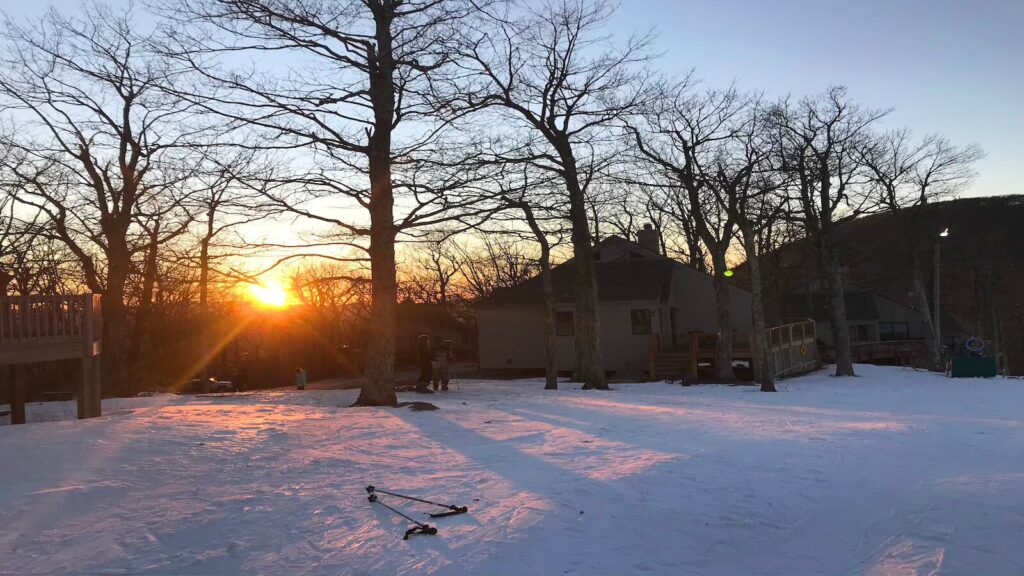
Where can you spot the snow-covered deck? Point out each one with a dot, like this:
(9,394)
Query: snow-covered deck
(895,472)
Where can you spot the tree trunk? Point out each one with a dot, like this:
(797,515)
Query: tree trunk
(141,329)
(379,389)
(550,337)
(835,302)
(115,320)
(590,364)
(761,360)
(997,338)
(723,313)
(204,300)
(924,310)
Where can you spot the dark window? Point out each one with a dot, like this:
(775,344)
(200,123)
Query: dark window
(893,331)
(640,321)
(860,333)
(564,324)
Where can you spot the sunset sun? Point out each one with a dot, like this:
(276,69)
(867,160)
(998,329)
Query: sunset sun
(269,295)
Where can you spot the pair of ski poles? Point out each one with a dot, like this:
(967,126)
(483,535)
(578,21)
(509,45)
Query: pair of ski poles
(419,527)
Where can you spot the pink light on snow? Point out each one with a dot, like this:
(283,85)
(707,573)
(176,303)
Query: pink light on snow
(570,449)
(752,422)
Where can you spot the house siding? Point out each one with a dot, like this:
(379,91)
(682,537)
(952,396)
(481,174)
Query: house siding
(512,339)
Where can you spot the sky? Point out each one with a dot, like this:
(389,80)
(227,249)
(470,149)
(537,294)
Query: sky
(955,67)
(952,67)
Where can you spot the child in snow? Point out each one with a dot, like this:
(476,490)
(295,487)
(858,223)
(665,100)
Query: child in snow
(424,357)
(444,365)
(300,378)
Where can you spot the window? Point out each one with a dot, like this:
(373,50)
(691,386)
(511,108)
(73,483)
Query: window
(893,331)
(640,320)
(860,333)
(564,324)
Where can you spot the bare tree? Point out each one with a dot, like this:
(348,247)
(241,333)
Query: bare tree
(690,138)
(905,175)
(551,76)
(757,202)
(496,259)
(97,136)
(31,262)
(367,101)
(534,196)
(223,201)
(442,261)
(160,220)
(818,139)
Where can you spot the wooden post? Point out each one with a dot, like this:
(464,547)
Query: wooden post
(692,374)
(88,396)
(97,389)
(17,395)
(652,357)
(82,391)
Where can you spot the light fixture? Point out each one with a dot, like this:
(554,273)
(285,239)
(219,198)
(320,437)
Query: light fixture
(944,233)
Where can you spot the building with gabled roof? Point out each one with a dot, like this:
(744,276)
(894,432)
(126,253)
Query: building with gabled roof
(647,302)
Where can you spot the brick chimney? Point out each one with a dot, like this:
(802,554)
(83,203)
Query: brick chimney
(648,238)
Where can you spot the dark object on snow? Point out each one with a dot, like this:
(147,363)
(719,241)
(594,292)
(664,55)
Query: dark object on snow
(418,406)
(424,360)
(419,528)
(209,386)
(971,362)
(452,509)
(963,366)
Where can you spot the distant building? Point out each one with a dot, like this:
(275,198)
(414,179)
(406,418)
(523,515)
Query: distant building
(645,300)
(871,317)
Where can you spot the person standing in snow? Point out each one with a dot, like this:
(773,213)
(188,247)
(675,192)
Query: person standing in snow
(444,365)
(300,378)
(424,358)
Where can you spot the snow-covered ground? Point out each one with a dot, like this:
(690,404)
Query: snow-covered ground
(895,472)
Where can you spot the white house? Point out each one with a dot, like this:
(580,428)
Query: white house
(645,300)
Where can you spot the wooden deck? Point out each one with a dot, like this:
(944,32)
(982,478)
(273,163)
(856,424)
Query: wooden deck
(792,350)
(47,329)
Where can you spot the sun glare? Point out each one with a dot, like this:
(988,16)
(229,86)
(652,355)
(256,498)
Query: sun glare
(269,295)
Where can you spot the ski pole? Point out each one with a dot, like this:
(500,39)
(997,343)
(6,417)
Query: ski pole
(419,528)
(452,509)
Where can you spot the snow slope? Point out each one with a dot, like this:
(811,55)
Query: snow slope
(896,473)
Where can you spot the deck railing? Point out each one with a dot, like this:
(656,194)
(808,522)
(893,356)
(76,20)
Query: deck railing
(45,320)
(891,352)
(793,348)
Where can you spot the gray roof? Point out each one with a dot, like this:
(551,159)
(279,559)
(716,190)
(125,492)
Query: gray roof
(859,306)
(626,280)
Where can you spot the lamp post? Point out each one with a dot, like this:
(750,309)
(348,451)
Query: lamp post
(935,286)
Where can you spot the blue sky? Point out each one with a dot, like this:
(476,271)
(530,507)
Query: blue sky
(950,66)
(953,67)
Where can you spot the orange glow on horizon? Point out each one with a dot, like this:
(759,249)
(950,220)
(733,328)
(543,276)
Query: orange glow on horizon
(269,295)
